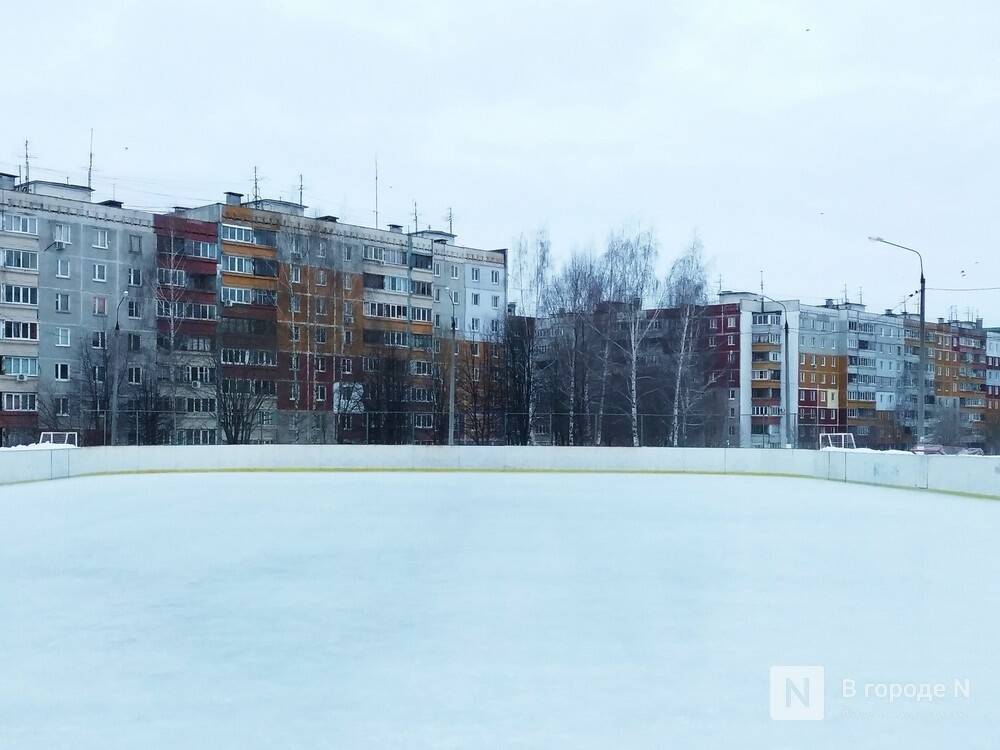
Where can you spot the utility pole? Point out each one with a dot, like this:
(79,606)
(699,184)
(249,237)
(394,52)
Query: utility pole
(451,374)
(117,374)
(922,384)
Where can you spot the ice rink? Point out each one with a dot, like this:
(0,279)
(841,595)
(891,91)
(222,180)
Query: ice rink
(478,610)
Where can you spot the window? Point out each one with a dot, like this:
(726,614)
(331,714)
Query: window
(322,249)
(20,402)
(237,264)
(62,233)
(348,337)
(98,373)
(135,277)
(320,364)
(20,295)
(22,260)
(296,274)
(321,278)
(101,239)
(134,342)
(296,303)
(100,272)
(15,330)
(295,333)
(495,276)
(475,298)
(496,302)
(62,268)
(495,326)
(135,375)
(437,320)
(320,335)
(62,371)
(732,394)
(320,306)
(62,302)
(234,233)
(348,312)
(731,321)
(171,277)
(346,365)
(134,309)
(454,298)
(475,274)
(319,392)
(20,224)
(475,324)
(62,406)
(293,392)
(98,340)
(135,246)
(454,272)
(100,305)
(437,269)
(293,362)
(474,349)
(27,366)
(420,314)
(347,281)
(62,337)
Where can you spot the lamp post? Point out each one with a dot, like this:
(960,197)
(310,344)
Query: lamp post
(451,369)
(116,375)
(786,388)
(922,385)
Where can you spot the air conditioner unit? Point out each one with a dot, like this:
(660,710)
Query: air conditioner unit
(196,384)
(227,303)
(58,245)
(22,378)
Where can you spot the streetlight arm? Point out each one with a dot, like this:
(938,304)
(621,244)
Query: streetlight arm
(902,247)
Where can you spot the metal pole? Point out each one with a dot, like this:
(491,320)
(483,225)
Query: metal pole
(922,385)
(451,374)
(922,403)
(114,381)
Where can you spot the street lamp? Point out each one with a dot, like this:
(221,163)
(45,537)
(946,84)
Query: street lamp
(451,369)
(922,385)
(117,374)
(786,388)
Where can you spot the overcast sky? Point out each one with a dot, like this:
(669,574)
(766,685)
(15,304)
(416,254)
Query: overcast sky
(782,133)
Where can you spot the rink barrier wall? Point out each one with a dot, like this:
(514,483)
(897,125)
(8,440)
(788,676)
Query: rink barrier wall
(968,475)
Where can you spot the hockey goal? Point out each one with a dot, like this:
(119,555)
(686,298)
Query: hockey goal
(60,438)
(837,440)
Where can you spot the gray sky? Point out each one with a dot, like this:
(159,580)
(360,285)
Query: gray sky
(783,133)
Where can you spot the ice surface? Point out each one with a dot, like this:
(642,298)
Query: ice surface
(487,610)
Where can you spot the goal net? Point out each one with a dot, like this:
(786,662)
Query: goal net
(837,440)
(60,438)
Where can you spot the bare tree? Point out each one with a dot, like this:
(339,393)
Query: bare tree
(239,404)
(686,295)
(632,258)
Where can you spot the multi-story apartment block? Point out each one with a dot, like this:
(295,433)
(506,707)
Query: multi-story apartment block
(78,294)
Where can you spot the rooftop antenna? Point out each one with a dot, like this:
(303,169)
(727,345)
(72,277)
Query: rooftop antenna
(762,290)
(720,283)
(450,216)
(845,293)
(416,224)
(300,188)
(256,186)
(27,165)
(90,164)
(861,296)
(376,191)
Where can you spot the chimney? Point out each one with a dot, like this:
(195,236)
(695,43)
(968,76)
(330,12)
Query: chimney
(888,311)
(829,302)
(234,199)
(180,209)
(397,228)
(7,181)
(112,204)
(328,218)
(940,321)
(979,322)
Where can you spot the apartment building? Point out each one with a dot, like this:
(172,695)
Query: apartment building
(78,290)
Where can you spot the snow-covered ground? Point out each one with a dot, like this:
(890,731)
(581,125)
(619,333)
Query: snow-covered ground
(488,610)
